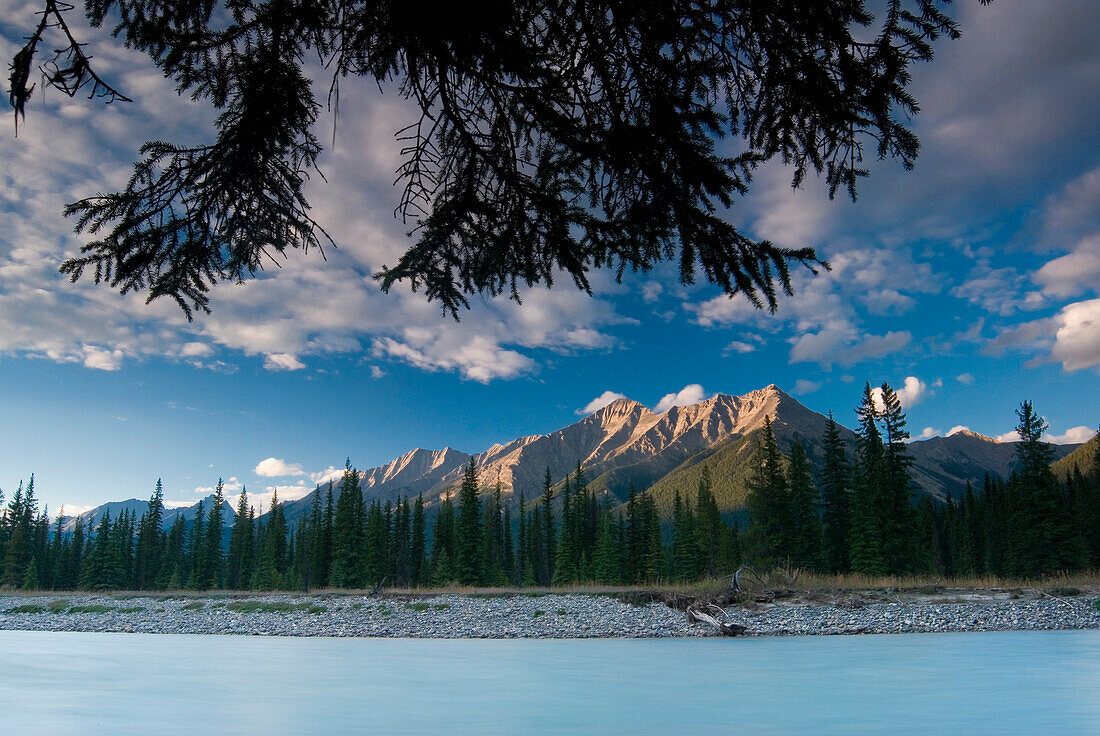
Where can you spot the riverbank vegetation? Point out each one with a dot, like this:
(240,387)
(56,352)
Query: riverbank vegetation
(852,524)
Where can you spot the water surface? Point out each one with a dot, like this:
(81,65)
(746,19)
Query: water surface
(91,683)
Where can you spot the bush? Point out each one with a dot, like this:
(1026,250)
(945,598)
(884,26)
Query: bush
(27,608)
(193,606)
(416,606)
(95,608)
(59,605)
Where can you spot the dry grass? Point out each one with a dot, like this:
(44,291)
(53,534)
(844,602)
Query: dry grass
(794,580)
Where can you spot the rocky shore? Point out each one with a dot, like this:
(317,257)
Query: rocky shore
(572,615)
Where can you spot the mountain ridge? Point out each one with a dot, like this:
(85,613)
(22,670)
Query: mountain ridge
(625,442)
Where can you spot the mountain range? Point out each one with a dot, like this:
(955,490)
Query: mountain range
(625,444)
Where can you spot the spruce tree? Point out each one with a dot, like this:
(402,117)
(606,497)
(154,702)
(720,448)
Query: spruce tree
(710,528)
(417,563)
(196,550)
(349,533)
(150,542)
(443,544)
(547,551)
(214,564)
(239,563)
(30,576)
(898,519)
(805,527)
(468,531)
(1043,536)
(768,501)
(835,500)
(868,496)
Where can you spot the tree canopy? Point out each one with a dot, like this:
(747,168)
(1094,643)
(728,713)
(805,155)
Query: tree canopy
(553,137)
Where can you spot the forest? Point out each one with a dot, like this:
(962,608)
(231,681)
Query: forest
(860,513)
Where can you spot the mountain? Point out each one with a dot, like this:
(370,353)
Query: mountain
(625,443)
(1083,458)
(139,507)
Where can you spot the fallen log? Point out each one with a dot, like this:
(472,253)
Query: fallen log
(715,617)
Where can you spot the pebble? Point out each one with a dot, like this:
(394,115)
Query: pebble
(551,616)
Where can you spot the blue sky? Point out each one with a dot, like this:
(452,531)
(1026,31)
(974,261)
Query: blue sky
(970,283)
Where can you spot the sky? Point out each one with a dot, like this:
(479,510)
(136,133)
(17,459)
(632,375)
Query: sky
(969,284)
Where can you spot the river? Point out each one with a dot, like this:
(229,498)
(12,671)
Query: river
(95,683)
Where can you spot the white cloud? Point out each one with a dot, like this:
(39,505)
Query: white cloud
(1073,273)
(70,509)
(283,362)
(1073,436)
(324,476)
(738,346)
(909,394)
(100,359)
(965,378)
(958,428)
(787,216)
(376,372)
(262,501)
(599,402)
(912,392)
(229,485)
(274,467)
(651,291)
(805,386)
(196,350)
(1077,336)
(693,393)
(478,359)
(928,433)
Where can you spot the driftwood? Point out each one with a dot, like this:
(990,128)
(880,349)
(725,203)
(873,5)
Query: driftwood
(735,581)
(716,617)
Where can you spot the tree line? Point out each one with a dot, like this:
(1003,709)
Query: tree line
(856,514)
(865,515)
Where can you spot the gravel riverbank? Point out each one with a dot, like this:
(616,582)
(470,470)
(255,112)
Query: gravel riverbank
(553,616)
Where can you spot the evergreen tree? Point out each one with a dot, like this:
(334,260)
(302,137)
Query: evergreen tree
(805,527)
(868,496)
(376,553)
(30,577)
(173,568)
(417,566)
(239,564)
(835,497)
(95,573)
(314,547)
(768,501)
(74,557)
(710,529)
(150,542)
(468,532)
(349,533)
(899,543)
(546,550)
(196,550)
(1042,530)
(214,563)
(444,547)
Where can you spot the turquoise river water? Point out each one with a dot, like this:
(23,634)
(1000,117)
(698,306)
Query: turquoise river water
(1003,683)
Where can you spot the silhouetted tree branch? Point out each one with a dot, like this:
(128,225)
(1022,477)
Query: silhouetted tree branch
(554,135)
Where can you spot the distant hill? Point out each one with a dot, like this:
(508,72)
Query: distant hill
(1084,457)
(625,443)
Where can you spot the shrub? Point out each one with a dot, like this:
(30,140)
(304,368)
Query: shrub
(27,608)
